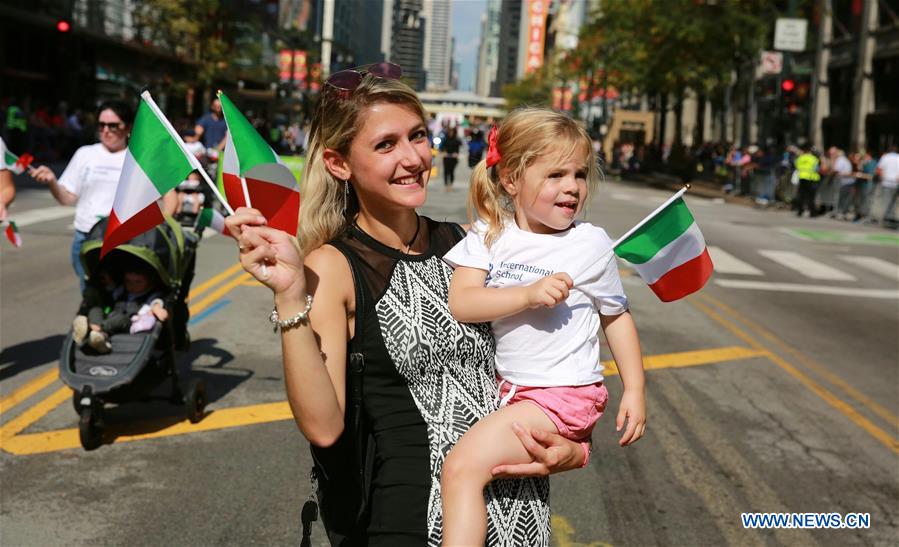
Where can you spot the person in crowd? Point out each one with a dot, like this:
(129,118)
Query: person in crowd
(888,171)
(476,147)
(450,146)
(7,186)
(844,175)
(90,179)
(807,164)
(211,127)
(866,167)
(427,377)
(546,282)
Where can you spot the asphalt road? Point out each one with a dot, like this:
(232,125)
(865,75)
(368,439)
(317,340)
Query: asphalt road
(774,389)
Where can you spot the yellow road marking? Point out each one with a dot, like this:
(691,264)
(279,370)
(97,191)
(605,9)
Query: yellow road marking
(815,387)
(51,441)
(206,285)
(809,362)
(33,414)
(28,389)
(206,301)
(563,534)
(690,358)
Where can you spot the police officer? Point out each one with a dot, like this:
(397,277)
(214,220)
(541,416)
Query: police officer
(807,164)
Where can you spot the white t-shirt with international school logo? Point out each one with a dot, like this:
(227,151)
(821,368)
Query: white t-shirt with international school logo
(93,175)
(548,346)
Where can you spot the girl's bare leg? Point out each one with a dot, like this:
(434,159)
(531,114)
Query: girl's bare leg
(467,469)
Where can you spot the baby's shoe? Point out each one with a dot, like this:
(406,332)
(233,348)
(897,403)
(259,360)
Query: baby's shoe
(143,320)
(99,341)
(79,329)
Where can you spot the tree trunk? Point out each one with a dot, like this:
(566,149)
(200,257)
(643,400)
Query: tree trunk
(663,115)
(679,118)
(699,131)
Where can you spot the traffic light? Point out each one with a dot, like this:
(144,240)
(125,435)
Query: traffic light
(63,26)
(788,86)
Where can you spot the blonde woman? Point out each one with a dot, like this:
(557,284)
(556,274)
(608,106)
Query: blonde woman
(427,378)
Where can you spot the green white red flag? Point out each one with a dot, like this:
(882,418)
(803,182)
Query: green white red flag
(668,251)
(253,174)
(17,164)
(155,163)
(12,234)
(211,218)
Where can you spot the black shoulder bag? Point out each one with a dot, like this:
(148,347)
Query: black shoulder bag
(341,473)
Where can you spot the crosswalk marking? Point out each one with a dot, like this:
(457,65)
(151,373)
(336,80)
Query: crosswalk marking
(886,294)
(35,216)
(876,265)
(726,263)
(806,266)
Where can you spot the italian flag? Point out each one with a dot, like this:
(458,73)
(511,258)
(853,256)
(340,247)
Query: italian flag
(254,176)
(155,163)
(668,251)
(12,234)
(17,164)
(210,218)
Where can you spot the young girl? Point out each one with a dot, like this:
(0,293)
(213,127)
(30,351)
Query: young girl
(546,282)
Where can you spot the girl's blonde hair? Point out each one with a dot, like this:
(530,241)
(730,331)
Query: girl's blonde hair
(324,212)
(525,135)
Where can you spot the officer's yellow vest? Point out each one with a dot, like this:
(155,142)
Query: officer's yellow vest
(807,165)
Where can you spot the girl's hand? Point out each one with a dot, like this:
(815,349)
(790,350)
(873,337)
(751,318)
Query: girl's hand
(271,256)
(552,453)
(633,407)
(549,291)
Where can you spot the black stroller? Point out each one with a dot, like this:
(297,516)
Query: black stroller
(139,362)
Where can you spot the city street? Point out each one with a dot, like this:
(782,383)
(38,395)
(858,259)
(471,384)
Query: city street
(774,389)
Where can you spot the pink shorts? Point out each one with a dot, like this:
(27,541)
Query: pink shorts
(574,409)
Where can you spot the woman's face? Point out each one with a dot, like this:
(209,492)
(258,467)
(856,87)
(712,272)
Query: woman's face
(390,158)
(113,131)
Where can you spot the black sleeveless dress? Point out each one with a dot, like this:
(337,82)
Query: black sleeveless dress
(428,379)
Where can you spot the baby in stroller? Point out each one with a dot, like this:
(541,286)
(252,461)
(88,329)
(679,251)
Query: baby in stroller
(108,308)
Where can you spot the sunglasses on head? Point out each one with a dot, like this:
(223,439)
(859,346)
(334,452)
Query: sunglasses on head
(114,126)
(349,79)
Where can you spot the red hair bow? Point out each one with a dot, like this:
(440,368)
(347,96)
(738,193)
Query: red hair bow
(493,156)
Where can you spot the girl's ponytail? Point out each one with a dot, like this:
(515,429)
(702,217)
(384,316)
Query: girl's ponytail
(485,201)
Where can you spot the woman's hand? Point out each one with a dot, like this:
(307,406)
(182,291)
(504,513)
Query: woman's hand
(271,256)
(43,174)
(552,453)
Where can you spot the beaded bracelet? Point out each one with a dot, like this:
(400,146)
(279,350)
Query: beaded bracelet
(300,317)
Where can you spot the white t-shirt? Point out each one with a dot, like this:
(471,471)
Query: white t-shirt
(548,346)
(93,175)
(843,167)
(889,169)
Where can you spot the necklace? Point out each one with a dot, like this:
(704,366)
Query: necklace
(408,245)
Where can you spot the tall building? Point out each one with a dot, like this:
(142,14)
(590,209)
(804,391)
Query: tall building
(488,51)
(438,44)
(408,39)
(507,68)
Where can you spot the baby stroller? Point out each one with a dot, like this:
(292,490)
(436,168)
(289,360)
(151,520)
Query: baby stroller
(138,362)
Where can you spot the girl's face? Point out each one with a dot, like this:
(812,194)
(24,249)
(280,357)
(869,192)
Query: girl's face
(136,282)
(390,158)
(551,192)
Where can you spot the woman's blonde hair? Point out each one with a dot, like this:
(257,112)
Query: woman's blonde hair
(525,135)
(324,212)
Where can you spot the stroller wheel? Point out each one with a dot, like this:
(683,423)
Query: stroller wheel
(89,429)
(76,402)
(195,401)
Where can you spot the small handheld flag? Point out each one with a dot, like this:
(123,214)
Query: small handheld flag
(12,234)
(17,164)
(253,174)
(155,162)
(211,218)
(668,250)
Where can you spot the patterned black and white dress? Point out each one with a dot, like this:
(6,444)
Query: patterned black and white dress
(427,380)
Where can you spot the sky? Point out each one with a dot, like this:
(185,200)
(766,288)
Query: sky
(467,32)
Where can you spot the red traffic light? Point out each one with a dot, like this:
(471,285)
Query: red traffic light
(63,26)
(788,85)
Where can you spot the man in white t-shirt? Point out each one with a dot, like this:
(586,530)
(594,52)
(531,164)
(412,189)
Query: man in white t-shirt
(842,170)
(888,171)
